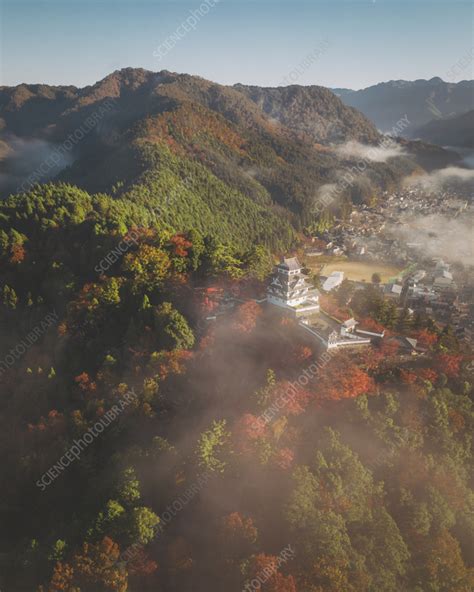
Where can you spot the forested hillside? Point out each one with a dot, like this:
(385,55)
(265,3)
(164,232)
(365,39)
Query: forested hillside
(209,463)
(421,100)
(272,147)
(451,131)
(312,112)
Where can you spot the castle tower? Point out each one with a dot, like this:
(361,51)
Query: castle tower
(290,288)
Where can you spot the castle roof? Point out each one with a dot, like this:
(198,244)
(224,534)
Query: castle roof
(291,264)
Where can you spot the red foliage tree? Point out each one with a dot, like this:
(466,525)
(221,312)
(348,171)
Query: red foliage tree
(265,570)
(208,305)
(54,423)
(281,583)
(372,358)
(369,324)
(173,362)
(85,383)
(428,374)
(443,563)
(180,245)
(449,364)
(96,567)
(18,253)
(284,458)
(456,420)
(301,354)
(246,317)
(342,379)
(407,377)
(140,564)
(237,530)
(208,340)
(287,322)
(425,338)
(246,430)
(289,398)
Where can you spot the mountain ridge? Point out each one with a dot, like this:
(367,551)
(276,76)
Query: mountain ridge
(457,130)
(421,100)
(262,151)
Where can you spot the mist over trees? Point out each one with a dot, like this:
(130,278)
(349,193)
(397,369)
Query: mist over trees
(228,451)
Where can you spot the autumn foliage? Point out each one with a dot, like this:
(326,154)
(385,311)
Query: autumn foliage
(342,379)
(18,254)
(289,398)
(246,317)
(246,430)
(84,382)
(426,339)
(237,530)
(265,569)
(369,324)
(54,423)
(180,245)
(284,458)
(428,374)
(449,364)
(407,377)
(93,567)
(332,308)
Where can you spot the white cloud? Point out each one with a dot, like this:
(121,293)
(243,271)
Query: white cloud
(381,153)
(436,180)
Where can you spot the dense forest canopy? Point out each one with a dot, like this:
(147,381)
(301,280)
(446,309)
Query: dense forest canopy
(361,480)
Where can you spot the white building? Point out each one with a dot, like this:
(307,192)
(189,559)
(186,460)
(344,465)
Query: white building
(393,291)
(334,335)
(289,288)
(348,327)
(333,281)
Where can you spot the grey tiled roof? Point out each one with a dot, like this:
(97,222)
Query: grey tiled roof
(292,264)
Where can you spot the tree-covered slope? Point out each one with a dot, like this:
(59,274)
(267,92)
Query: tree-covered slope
(137,438)
(276,147)
(312,112)
(451,131)
(420,100)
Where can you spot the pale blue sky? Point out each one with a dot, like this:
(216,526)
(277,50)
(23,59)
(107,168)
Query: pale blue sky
(251,41)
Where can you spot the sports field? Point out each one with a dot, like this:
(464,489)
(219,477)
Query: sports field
(359,271)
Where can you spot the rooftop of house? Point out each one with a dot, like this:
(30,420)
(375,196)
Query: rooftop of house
(393,289)
(412,342)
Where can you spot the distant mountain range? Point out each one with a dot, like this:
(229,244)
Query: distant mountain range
(246,162)
(450,131)
(421,100)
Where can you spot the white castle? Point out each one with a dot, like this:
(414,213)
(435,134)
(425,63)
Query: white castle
(290,288)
